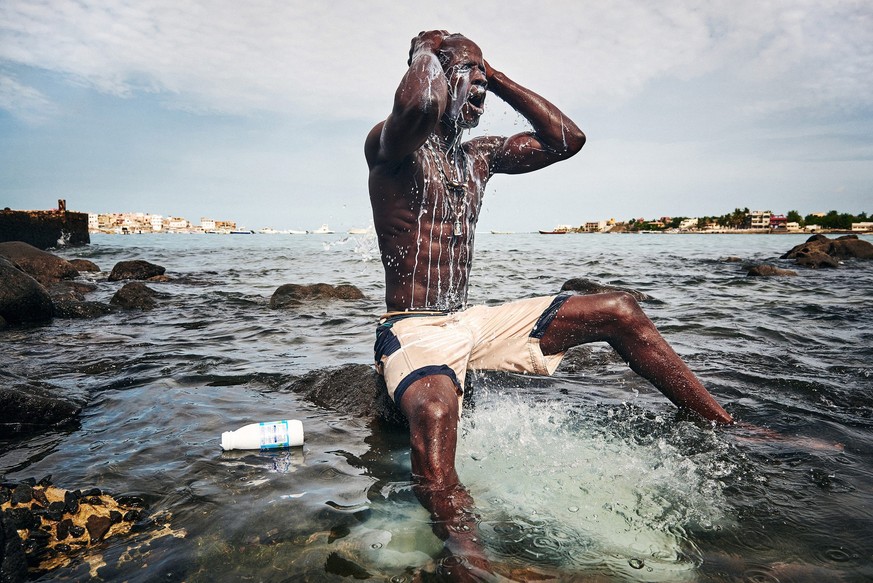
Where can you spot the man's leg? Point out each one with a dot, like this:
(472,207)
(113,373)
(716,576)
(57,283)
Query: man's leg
(432,407)
(616,318)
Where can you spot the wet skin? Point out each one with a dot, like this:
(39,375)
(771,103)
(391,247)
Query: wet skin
(426,190)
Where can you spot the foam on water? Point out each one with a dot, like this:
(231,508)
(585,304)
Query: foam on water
(555,487)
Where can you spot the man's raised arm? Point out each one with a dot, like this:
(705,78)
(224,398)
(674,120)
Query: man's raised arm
(419,103)
(555,137)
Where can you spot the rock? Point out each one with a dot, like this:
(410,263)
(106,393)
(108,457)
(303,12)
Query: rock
(586,287)
(84,265)
(733,259)
(292,294)
(70,290)
(812,253)
(73,309)
(30,406)
(815,259)
(135,269)
(22,298)
(41,265)
(765,270)
(13,562)
(135,296)
(351,389)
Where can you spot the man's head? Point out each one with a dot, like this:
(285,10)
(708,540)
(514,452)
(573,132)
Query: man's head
(464,67)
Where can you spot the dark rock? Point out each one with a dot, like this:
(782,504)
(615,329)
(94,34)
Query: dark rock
(293,294)
(22,298)
(70,290)
(733,259)
(41,265)
(29,407)
(766,270)
(351,389)
(135,269)
(70,309)
(84,265)
(135,296)
(13,561)
(812,253)
(97,527)
(586,287)
(816,259)
(22,494)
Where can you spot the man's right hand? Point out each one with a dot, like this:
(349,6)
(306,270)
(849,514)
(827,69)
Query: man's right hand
(427,41)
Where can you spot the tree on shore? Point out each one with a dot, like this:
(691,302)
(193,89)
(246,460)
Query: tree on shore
(836,220)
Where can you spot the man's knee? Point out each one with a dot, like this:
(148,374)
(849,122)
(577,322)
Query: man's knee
(624,307)
(432,399)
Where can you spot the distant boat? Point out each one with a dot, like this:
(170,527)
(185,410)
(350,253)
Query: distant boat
(502,233)
(242,232)
(268,231)
(559,230)
(366,231)
(322,230)
(295,232)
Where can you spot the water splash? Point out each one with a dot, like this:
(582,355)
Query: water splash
(565,489)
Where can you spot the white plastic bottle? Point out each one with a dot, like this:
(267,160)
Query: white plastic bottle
(266,435)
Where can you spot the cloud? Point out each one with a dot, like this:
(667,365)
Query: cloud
(342,59)
(24,102)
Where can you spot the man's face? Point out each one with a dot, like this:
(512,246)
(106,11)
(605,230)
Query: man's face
(465,69)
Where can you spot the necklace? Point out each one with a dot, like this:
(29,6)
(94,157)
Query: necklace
(458,187)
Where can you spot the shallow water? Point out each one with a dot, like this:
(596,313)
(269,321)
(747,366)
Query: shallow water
(589,473)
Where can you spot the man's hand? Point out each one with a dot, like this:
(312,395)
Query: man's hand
(426,41)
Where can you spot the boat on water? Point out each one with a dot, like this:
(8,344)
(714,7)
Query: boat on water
(322,230)
(559,230)
(242,232)
(367,231)
(296,232)
(268,231)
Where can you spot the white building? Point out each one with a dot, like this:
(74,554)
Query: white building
(207,224)
(862,227)
(760,219)
(93,221)
(687,224)
(157,222)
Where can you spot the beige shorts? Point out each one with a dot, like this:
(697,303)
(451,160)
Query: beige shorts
(411,346)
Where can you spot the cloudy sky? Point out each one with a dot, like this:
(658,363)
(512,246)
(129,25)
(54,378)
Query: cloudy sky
(257,111)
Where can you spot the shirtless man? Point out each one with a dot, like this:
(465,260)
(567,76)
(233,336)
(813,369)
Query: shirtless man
(426,189)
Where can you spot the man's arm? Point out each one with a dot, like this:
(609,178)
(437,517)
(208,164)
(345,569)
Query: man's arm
(419,102)
(555,137)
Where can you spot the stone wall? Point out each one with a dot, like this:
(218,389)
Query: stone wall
(44,229)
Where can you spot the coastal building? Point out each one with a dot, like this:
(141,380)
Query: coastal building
(778,221)
(207,224)
(593,226)
(865,227)
(759,219)
(688,224)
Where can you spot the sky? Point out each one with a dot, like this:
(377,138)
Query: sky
(257,111)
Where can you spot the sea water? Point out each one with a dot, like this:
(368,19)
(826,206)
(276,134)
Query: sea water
(590,473)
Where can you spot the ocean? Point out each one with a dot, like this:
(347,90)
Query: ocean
(587,475)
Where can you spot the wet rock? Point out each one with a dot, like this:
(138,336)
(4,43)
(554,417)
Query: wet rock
(765,270)
(70,290)
(41,265)
(97,527)
(22,298)
(821,251)
(135,296)
(84,265)
(587,286)
(816,259)
(351,389)
(81,310)
(293,294)
(13,561)
(733,259)
(29,407)
(135,269)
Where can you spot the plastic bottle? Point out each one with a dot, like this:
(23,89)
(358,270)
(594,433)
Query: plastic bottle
(266,435)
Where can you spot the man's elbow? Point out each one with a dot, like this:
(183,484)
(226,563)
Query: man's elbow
(573,142)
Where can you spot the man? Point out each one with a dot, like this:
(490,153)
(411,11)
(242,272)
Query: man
(426,189)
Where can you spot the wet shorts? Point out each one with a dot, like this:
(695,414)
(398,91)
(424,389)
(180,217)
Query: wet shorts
(413,345)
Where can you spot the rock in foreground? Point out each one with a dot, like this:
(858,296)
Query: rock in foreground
(766,270)
(41,265)
(22,298)
(29,407)
(293,294)
(135,296)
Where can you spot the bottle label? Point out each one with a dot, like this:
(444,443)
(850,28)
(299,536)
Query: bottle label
(275,435)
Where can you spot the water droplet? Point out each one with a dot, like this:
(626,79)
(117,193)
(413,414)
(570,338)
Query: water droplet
(636,563)
(376,546)
(573,509)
